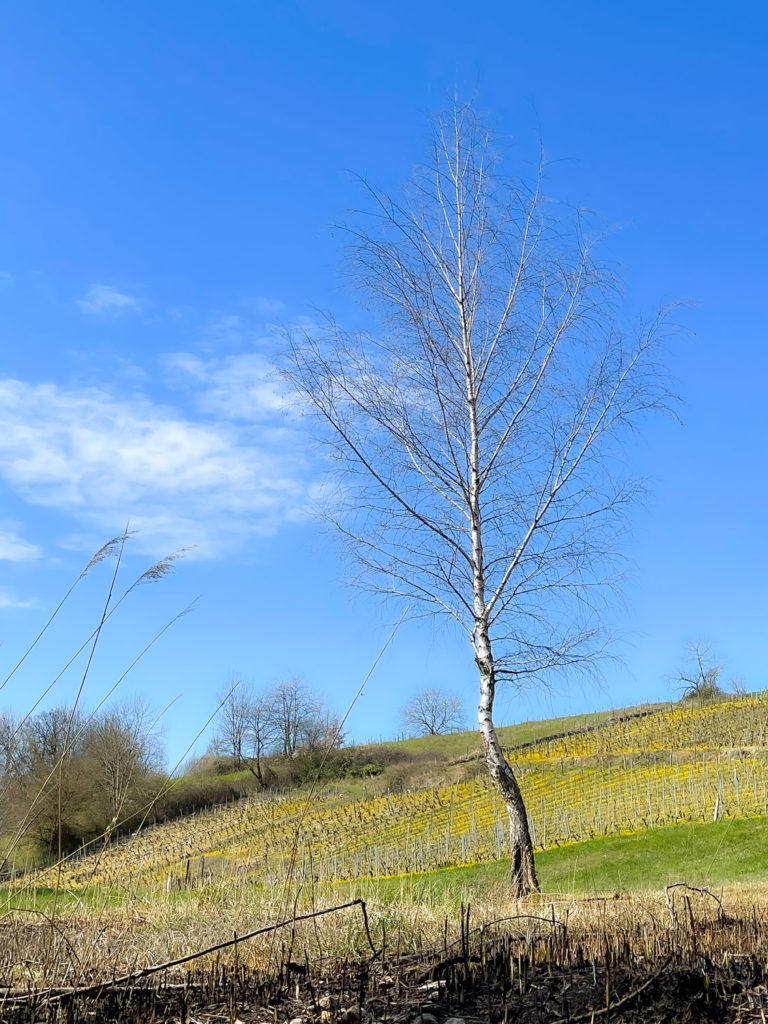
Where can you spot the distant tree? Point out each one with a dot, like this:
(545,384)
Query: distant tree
(284,720)
(12,768)
(323,731)
(50,734)
(432,712)
(12,753)
(70,777)
(233,719)
(293,710)
(260,735)
(701,679)
(52,787)
(121,754)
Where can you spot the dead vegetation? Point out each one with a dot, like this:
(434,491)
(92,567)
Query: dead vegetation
(104,936)
(685,954)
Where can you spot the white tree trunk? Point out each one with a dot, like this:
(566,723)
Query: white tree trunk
(522,869)
(523,878)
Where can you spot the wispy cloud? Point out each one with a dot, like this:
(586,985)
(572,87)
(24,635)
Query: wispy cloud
(9,601)
(102,459)
(265,306)
(6,280)
(14,548)
(234,387)
(103,298)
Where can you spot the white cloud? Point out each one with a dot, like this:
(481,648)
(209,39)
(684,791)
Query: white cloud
(225,332)
(14,548)
(235,387)
(102,298)
(104,459)
(8,601)
(6,280)
(266,307)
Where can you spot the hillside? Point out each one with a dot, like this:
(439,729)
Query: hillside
(374,876)
(601,775)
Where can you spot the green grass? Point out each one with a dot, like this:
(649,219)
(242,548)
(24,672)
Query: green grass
(44,899)
(710,854)
(460,744)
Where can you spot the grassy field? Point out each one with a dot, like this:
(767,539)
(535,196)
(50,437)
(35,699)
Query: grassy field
(713,854)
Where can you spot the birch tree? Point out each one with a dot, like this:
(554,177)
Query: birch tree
(475,427)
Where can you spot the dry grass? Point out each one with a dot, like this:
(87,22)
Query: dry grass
(172,891)
(84,944)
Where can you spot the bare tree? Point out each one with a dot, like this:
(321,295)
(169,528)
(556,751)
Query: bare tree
(233,720)
(323,730)
(122,751)
(52,788)
(738,687)
(431,712)
(293,710)
(13,764)
(12,753)
(701,680)
(260,735)
(283,720)
(474,429)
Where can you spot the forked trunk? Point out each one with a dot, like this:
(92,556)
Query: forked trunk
(523,870)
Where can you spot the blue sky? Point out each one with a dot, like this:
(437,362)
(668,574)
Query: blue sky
(170,175)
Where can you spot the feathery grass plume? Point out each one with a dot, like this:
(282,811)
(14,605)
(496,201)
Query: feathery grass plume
(163,568)
(105,551)
(112,547)
(150,575)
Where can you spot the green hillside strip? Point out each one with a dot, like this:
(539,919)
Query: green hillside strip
(460,744)
(710,854)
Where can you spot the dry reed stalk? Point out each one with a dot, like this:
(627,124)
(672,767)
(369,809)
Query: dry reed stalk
(140,934)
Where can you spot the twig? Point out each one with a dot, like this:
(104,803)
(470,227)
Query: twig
(591,1014)
(367,928)
(417,958)
(670,902)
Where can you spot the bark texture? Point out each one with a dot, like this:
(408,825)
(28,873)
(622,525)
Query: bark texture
(523,879)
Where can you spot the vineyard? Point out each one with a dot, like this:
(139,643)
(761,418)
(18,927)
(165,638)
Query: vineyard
(681,764)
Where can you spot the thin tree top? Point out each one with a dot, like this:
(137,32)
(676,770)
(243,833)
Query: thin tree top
(475,429)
